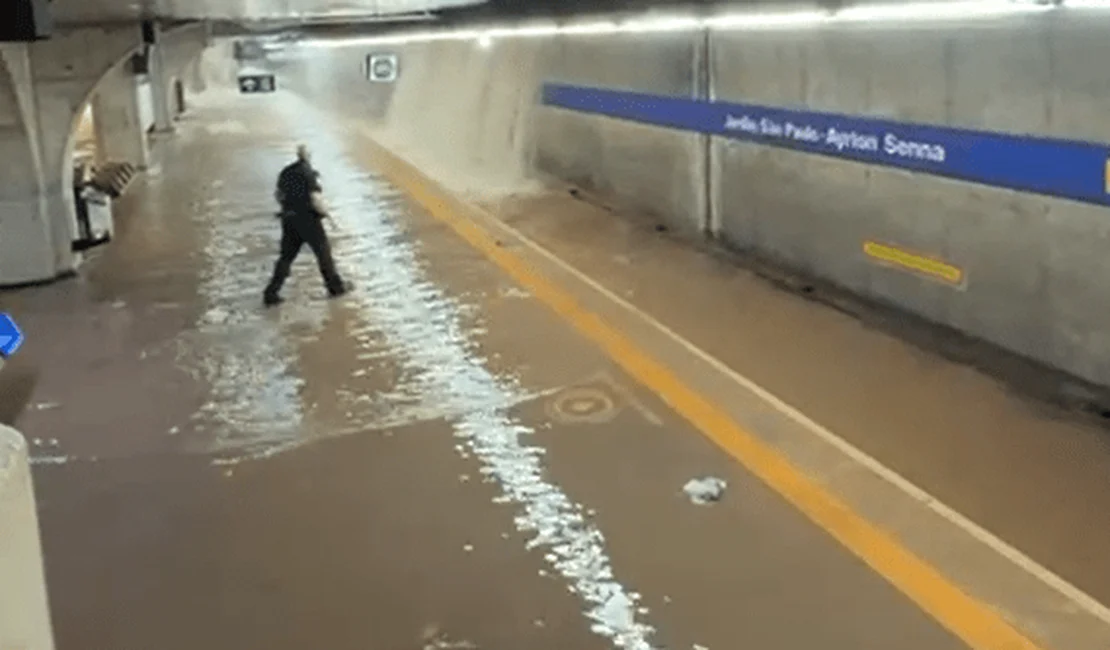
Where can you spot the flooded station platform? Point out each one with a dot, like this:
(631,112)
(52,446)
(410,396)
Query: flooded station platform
(440,458)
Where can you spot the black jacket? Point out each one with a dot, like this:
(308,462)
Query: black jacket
(295,186)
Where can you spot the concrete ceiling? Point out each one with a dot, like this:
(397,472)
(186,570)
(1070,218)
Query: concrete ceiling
(100,11)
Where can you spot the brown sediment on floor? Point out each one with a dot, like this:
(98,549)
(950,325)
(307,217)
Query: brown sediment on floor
(227,476)
(1004,454)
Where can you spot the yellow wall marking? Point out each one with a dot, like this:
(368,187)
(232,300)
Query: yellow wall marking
(969,619)
(1108,175)
(929,266)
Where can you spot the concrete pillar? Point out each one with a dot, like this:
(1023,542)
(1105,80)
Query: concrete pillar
(44,89)
(59,102)
(120,132)
(195,81)
(26,248)
(160,84)
(24,608)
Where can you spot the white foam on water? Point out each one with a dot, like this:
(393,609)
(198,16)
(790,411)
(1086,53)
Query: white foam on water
(385,416)
(245,359)
(423,327)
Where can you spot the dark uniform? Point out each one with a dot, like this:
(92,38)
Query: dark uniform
(301,224)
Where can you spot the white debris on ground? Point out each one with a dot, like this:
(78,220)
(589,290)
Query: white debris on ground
(705,490)
(50,460)
(516,293)
(424,327)
(434,639)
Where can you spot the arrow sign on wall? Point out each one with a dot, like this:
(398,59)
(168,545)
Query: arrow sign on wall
(257,83)
(10,336)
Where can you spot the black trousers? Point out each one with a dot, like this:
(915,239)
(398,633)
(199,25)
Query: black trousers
(297,230)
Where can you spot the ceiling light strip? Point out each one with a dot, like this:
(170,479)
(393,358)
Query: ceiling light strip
(756,20)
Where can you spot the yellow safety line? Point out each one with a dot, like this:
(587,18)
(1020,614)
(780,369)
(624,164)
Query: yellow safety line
(975,623)
(914,262)
(1108,176)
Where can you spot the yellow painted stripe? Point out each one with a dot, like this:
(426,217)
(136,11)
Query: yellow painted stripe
(969,619)
(919,263)
(1108,175)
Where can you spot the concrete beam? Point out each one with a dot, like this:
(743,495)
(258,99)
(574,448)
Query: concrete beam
(65,70)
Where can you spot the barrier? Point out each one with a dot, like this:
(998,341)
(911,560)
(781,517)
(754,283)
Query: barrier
(24,609)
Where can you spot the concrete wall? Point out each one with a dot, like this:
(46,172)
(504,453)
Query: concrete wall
(652,171)
(24,613)
(470,114)
(461,111)
(1036,268)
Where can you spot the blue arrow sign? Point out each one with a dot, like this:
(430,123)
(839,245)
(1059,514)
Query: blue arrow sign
(10,336)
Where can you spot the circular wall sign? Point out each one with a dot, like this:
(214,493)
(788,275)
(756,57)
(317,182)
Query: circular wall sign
(383,67)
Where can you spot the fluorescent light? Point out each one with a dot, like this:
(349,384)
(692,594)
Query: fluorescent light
(524,31)
(464,35)
(661,24)
(937,10)
(753,20)
(767,19)
(598,27)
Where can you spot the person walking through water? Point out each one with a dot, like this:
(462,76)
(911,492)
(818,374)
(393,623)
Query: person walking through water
(302,222)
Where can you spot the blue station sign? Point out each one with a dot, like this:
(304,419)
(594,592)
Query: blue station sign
(1068,169)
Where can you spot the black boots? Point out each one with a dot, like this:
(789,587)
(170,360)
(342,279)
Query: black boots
(343,289)
(273,299)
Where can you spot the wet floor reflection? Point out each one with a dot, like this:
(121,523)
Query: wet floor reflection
(399,350)
(443,374)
